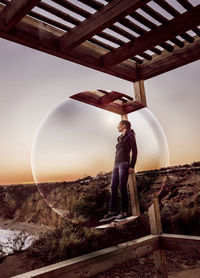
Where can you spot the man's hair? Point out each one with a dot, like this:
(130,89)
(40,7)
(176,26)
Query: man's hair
(126,123)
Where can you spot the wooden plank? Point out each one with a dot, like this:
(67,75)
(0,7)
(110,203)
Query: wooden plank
(170,9)
(115,28)
(183,243)
(161,34)
(139,92)
(160,18)
(130,36)
(160,263)
(43,37)
(118,106)
(170,61)
(63,15)
(59,13)
(67,28)
(134,195)
(133,187)
(124,117)
(109,98)
(93,4)
(132,106)
(154,218)
(102,19)
(96,262)
(156,229)
(115,224)
(141,31)
(14,11)
(186,4)
(73,8)
(92,98)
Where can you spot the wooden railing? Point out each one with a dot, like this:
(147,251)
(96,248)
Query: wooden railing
(102,260)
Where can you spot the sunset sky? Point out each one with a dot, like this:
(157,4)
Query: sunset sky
(34,84)
(76,140)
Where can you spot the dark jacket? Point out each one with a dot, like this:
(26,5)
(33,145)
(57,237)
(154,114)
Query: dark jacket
(125,144)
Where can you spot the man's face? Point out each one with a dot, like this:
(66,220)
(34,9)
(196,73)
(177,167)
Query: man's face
(121,127)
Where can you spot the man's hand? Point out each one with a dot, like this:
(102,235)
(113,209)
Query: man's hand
(131,170)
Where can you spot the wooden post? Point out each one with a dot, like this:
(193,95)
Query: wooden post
(156,229)
(134,195)
(154,212)
(139,92)
(132,186)
(154,218)
(124,117)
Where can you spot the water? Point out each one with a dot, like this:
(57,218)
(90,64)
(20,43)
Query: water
(14,240)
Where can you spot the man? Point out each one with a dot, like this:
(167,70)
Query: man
(122,168)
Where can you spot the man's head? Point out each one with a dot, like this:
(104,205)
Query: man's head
(124,125)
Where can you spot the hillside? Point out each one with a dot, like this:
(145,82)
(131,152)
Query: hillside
(88,198)
(85,201)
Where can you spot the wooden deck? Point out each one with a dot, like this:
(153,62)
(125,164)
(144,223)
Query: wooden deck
(114,224)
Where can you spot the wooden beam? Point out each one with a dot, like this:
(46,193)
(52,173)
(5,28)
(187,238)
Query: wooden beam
(186,4)
(169,61)
(156,229)
(115,224)
(132,106)
(43,37)
(160,263)
(14,11)
(135,207)
(160,18)
(112,96)
(103,34)
(96,262)
(139,92)
(92,98)
(124,117)
(165,32)
(184,243)
(102,19)
(118,107)
(154,218)
(134,194)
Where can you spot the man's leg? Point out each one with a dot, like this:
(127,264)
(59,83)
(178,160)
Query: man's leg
(123,179)
(113,206)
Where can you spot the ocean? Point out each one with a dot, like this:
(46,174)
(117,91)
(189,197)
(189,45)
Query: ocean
(14,240)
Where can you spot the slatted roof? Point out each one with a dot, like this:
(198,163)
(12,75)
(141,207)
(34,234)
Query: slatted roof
(112,101)
(131,39)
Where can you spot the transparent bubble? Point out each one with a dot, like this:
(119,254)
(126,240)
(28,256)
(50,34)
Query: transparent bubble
(77,140)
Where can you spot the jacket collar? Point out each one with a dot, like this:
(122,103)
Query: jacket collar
(123,136)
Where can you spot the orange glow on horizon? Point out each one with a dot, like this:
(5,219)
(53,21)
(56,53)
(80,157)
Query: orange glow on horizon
(26,178)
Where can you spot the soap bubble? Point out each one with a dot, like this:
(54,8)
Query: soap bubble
(77,140)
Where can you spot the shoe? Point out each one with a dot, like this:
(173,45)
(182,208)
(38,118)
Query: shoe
(121,216)
(109,216)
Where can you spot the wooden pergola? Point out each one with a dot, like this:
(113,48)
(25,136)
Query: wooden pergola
(130,39)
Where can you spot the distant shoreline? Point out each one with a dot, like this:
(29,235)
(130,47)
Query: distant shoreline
(193,165)
(31,228)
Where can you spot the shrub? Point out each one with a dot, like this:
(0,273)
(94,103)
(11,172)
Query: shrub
(91,205)
(67,241)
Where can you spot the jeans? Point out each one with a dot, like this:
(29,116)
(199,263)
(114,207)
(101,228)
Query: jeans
(119,179)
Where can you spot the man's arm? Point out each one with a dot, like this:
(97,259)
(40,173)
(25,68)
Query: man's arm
(134,150)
